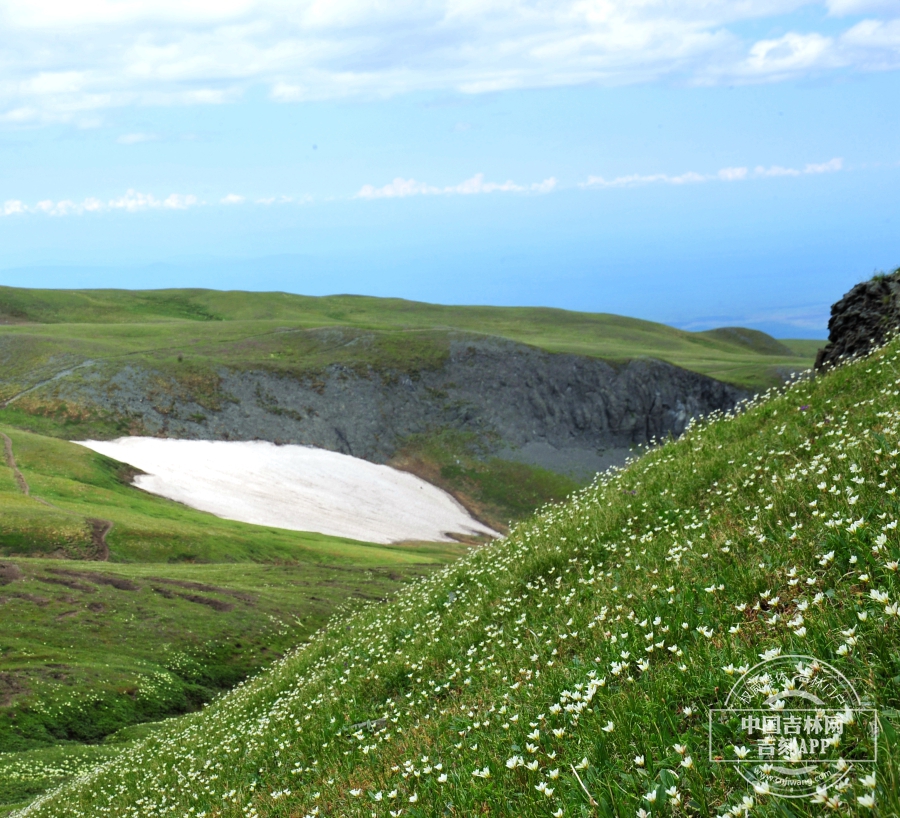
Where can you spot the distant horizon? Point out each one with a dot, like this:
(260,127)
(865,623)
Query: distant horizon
(809,335)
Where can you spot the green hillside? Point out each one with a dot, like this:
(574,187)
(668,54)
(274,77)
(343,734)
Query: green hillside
(71,486)
(119,607)
(43,332)
(569,669)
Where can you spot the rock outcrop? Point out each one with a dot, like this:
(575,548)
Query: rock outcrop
(863,319)
(518,401)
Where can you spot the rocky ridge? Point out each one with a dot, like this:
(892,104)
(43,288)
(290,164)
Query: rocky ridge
(565,412)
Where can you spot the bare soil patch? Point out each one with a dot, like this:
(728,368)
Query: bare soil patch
(98,579)
(10,687)
(9,572)
(202,586)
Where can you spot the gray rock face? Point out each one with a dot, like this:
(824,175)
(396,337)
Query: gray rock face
(519,401)
(862,319)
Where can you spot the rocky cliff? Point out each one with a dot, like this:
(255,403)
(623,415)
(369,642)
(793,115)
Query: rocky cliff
(564,412)
(862,319)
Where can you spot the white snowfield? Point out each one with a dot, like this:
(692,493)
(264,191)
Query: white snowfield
(295,487)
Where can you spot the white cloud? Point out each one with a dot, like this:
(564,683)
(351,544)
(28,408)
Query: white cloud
(732,174)
(735,174)
(137,138)
(840,8)
(790,52)
(787,56)
(637,179)
(55,14)
(775,170)
(131,202)
(875,44)
(477,185)
(64,60)
(400,188)
(546,186)
(285,92)
(826,167)
(176,201)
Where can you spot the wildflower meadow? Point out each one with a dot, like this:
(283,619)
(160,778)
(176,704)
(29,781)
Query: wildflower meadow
(570,668)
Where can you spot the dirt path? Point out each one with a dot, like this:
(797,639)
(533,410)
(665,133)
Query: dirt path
(99,528)
(11,462)
(99,531)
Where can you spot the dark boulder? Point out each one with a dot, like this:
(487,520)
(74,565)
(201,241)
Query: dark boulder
(862,320)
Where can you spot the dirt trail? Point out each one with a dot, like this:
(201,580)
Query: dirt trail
(99,528)
(11,462)
(99,531)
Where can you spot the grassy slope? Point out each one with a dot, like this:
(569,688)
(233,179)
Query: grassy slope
(82,484)
(804,347)
(602,629)
(89,648)
(493,490)
(238,326)
(81,658)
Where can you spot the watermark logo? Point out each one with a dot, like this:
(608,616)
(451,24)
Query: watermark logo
(793,726)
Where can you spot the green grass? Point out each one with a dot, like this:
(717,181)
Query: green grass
(591,644)
(23,776)
(291,333)
(89,648)
(804,347)
(189,605)
(495,491)
(83,485)
(83,660)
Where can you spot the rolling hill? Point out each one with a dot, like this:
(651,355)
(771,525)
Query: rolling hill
(243,327)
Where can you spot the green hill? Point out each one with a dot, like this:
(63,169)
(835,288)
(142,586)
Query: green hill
(570,669)
(71,486)
(43,332)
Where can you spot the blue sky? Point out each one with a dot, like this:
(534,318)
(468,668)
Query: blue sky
(700,163)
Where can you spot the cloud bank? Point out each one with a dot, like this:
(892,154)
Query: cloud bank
(67,61)
(401,188)
(134,201)
(737,174)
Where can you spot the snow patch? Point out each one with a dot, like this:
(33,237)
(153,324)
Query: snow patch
(300,488)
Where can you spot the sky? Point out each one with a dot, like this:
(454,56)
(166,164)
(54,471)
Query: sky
(700,163)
